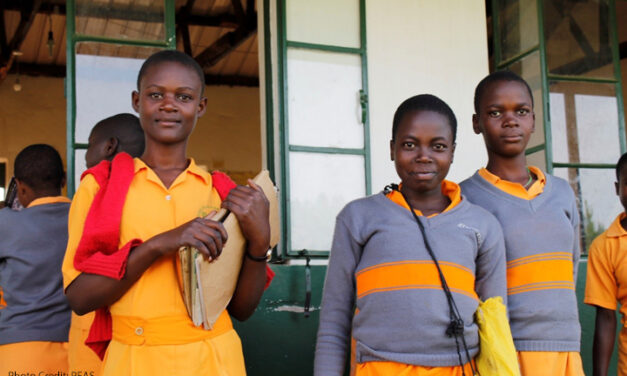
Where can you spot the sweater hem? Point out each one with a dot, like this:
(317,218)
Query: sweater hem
(8,337)
(448,360)
(558,346)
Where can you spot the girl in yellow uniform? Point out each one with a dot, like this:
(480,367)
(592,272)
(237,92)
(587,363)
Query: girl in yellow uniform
(164,209)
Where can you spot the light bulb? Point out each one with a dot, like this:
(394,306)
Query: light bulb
(17,86)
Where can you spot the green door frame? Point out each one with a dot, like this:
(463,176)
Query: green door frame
(70,82)
(546,76)
(286,147)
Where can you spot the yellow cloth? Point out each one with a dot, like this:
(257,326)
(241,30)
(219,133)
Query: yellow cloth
(497,354)
(151,209)
(606,281)
(3,303)
(400,369)
(516,189)
(80,357)
(48,200)
(35,357)
(449,189)
(547,363)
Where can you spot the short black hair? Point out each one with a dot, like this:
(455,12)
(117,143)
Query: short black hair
(40,167)
(619,165)
(424,102)
(498,76)
(127,129)
(172,56)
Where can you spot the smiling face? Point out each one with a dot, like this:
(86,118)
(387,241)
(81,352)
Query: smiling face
(169,102)
(422,151)
(505,118)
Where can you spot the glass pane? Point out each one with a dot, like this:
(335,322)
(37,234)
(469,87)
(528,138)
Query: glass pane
(315,201)
(598,203)
(323,22)
(584,122)
(518,24)
(121,19)
(79,165)
(537,159)
(529,69)
(103,85)
(577,37)
(323,99)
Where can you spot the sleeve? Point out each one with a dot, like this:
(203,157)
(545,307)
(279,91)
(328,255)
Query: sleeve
(338,300)
(601,284)
(574,219)
(490,272)
(78,213)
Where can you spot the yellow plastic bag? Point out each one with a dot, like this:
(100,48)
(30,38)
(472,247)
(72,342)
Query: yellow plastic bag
(497,354)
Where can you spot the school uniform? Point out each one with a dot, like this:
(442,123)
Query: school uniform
(606,281)
(152,332)
(380,268)
(541,229)
(34,323)
(80,357)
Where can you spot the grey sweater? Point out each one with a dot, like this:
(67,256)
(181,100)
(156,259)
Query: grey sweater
(380,266)
(32,245)
(542,247)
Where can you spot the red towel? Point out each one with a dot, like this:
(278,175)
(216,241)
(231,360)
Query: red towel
(97,251)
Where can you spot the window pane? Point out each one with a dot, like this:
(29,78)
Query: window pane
(143,19)
(315,200)
(103,85)
(584,122)
(323,99)
(598,203)
(529,69)
(577,37)
(323,22)
(518,24)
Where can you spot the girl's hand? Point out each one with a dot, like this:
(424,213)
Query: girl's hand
(202,233)
(251,207)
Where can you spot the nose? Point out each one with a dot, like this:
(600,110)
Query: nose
(510,120)
(168,103)
(423,154)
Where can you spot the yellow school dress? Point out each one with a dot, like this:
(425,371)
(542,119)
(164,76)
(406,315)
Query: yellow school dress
(152,332)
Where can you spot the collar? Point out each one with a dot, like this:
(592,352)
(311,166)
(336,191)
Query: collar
(449,189)
(192,168)
(516,189)
(48,200)
(616,230)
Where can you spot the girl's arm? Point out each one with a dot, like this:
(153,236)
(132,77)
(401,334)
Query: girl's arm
(603,345)
(251,207)
(491,272)
(338,304)
(88,292)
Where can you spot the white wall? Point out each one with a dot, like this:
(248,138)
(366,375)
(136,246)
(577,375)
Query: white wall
(425,46)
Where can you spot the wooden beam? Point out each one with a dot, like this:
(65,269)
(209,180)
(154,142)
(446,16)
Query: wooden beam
(231,80)
(27,15)
(224,45)
(182,26)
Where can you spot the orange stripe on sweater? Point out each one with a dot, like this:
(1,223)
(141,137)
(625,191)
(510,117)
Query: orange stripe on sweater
(414,275)
(540,272)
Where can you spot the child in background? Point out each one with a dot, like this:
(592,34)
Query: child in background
(35,322)
(382,287)
(167,206)
(540,221)
(117,133)
(606,283)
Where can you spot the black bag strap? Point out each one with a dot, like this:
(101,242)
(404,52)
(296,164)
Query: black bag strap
(456,326)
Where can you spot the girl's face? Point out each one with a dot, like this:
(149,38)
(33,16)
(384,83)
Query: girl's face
(505,119)
(169,102)
(422,150)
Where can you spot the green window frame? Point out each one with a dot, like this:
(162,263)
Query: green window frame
(70,83)
(546,77)
(285,146)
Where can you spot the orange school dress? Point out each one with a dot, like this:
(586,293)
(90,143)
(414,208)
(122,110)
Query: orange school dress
(152,332)
(537,363)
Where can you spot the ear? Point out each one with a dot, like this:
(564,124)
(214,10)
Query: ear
(64,180)
(135,100)
(453,152)
(475,124)
(534,122)
(202,106)
(616,187)
(111,147)
(391,150)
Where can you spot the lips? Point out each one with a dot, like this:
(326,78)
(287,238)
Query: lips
(512,137)
(168,122)
(423,175)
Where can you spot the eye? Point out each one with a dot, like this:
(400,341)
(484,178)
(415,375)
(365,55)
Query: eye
(494,113)
(184,97)
(523,111)
(408,145)
(155,95)
(439,147)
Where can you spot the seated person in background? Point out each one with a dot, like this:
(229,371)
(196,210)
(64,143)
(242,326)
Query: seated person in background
(35,322)
(110,136)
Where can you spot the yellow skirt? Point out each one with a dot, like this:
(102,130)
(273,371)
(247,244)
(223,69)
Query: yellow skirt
(82,359)
(547,363)
(34,357)
(400,369)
